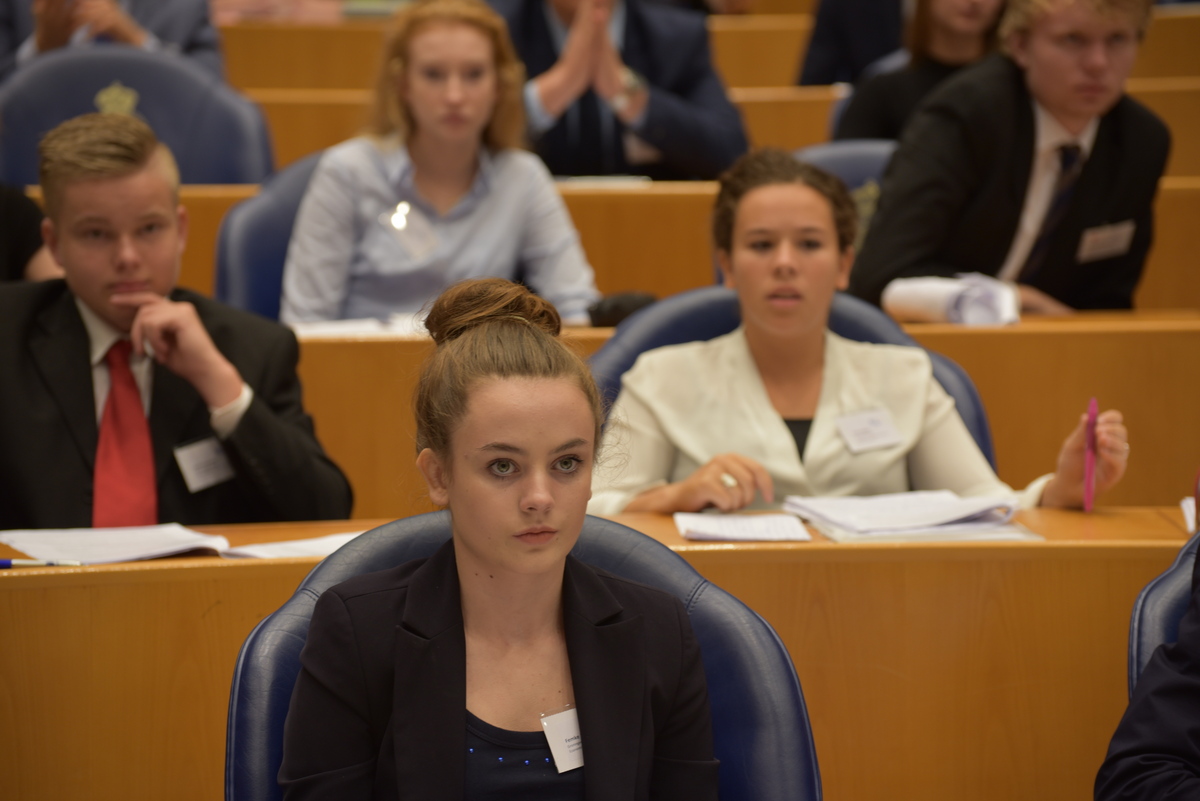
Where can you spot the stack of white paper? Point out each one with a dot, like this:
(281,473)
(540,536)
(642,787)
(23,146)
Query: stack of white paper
(97,546)
(740,528)
(317,546)
(928,515)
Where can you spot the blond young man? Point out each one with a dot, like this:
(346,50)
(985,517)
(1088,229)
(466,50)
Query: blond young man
(1032,166)
(126,400)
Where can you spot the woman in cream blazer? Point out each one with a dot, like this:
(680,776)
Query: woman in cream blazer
(782,406)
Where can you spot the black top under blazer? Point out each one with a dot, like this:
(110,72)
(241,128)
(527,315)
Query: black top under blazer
(379,708)
(953,193)
(48,428)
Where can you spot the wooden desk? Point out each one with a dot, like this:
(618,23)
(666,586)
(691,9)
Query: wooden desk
(981,671)
(359,392)
(761,49)
(1036,378)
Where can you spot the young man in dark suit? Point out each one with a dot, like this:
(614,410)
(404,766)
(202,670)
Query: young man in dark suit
(1032,166)
(126,401)
(622,87)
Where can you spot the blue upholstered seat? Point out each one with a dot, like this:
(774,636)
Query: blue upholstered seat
(1159,608)
(702,314)
(253,241)
(760,722)
(216,135)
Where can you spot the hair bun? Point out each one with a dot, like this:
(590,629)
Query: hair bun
(469,304)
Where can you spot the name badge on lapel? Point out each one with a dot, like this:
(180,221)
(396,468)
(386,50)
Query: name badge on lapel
(562,733)
(203,464)
(1105,241)
(868,430)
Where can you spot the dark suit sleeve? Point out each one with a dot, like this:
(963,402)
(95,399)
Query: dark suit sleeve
(930,179)
(693,122)
(329,749)
(184,27)
(275,449)
(683,765)
(10,37)
(866,113)
(1155,753)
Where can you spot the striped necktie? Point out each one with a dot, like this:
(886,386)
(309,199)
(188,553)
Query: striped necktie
(1070,161)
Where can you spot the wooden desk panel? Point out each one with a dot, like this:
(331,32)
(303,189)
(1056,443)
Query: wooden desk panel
(1177,101)
(1036,378)
(1169,49)
(759,49)
(789,117)
(359,393)
(1170,278)
(982,671)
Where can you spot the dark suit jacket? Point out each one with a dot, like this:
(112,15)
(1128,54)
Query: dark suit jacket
(379,708)
(953,193)
(182,26)
(689,118)
(1155,753)
(48,428)
(847,36)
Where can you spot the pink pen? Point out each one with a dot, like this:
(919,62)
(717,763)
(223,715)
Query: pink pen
(1089,458)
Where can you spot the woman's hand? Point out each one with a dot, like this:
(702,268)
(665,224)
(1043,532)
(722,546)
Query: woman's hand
(1065,490)
(728,482)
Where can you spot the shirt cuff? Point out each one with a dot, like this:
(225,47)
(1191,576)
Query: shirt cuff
(27,51)
(536,116)
(225,419)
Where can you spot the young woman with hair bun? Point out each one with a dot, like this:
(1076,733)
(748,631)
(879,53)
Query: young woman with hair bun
(430,680)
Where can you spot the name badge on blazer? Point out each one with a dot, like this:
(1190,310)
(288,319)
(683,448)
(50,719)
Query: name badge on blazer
(203,464)
(1105,241)
(868,430)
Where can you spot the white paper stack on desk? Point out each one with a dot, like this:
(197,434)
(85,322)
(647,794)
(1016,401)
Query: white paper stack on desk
(910,516)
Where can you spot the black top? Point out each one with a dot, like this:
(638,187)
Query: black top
(20,232)
(799,429)
(881,106)
(505,765)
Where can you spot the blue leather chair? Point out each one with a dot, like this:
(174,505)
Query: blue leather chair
(1159,608)
(760,722)
(709,312)
(216,135)
(895,60)
(857,162)
(253,241)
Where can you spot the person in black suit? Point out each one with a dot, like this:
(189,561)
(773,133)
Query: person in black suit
(434,679)
(622,88)
(1032,166)
(1155,753)
(30,27)
(229,438)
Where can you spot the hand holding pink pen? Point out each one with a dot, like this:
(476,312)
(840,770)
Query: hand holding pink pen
(1089,457)
(1092,460)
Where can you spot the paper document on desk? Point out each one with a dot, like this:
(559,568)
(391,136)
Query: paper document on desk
(741,528)
(1188,505)
(926,515)
(98,546)
(317,546)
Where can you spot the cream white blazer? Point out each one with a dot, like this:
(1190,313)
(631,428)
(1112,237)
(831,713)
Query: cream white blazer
(682,405)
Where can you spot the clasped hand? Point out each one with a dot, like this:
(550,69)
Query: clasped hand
(589,60)
(55,21)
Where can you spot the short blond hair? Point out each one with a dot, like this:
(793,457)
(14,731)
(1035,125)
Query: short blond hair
(1019,15)
(97,146)
(506,128)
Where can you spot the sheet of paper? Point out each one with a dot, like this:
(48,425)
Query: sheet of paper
(901,510)
(96,546)
(741,528)
(1188,505)
(972,532)
(317,546)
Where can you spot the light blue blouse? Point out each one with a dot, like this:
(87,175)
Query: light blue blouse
(352,255)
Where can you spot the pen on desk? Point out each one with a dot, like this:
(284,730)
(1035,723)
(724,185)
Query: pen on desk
(5,564)
(1089,457)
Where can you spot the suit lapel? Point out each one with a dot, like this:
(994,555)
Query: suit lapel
(431,734)
(59,347)
(607,652)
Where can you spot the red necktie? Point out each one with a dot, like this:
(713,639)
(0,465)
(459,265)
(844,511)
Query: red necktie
(123,486)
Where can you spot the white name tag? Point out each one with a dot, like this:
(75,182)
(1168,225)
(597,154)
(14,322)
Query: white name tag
(1105,241)
(868,430)
(203,464)
(562,732)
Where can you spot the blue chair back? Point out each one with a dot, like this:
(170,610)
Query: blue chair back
(760,722)
(893,61)
(709,312)
(253,241)
(1158,610)
(216,135)
(858,162)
